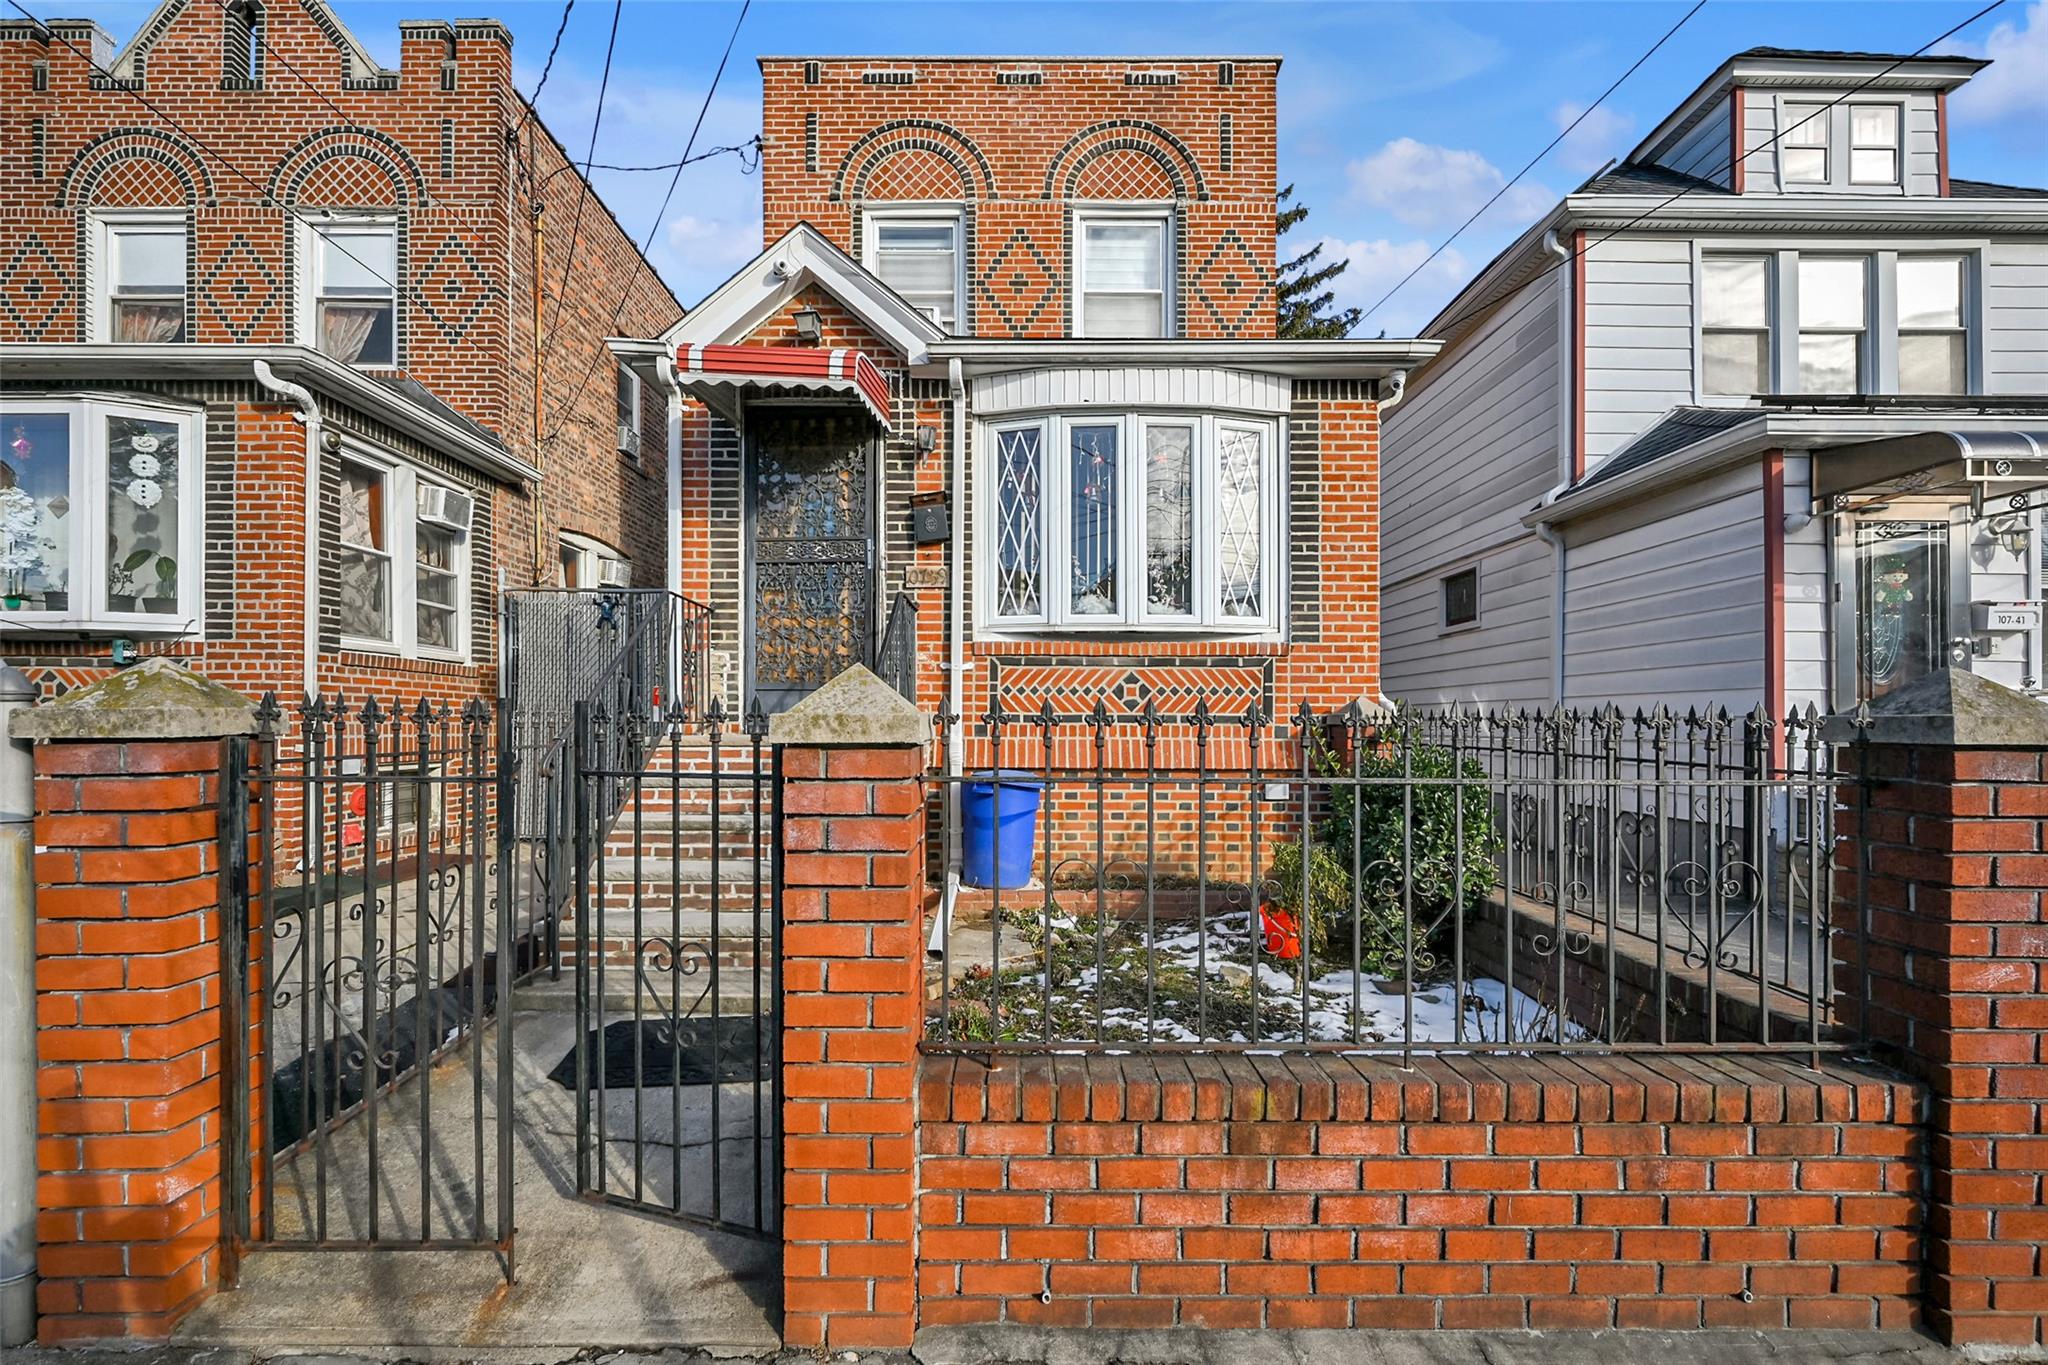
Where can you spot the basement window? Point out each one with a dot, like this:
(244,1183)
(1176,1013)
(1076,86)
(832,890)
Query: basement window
(1461,598)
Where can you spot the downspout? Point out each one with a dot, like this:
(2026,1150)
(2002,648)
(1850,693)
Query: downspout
(309,416)
(1568,461)
(674,541)
(17,1021)
(956,656)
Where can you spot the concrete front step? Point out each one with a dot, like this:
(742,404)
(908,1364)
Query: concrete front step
(735,995)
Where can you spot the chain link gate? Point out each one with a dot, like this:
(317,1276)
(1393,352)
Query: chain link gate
(676,947)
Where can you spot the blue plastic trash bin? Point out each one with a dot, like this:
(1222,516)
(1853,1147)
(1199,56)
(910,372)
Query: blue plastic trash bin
(1011,804)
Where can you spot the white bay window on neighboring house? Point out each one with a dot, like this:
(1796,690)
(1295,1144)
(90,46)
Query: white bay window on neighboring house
(100,515)
(402,560)
(1133,521)
(1123,280)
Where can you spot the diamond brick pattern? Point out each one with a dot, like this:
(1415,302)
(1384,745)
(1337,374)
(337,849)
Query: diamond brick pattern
(240,289)
(34,288)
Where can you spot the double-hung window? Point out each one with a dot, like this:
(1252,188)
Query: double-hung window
(1735,325)
(1131,520)
(350,308)
(919,257)
(100,516)
(627,385)
(1933,341)
(1803,150)
(1834,311)
(1124,274)
(142,280)
(402,565)
(1874,144)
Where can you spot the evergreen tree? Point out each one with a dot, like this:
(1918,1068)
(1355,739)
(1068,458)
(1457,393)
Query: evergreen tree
(1302,291)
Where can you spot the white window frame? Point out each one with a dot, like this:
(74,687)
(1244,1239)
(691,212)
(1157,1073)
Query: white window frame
(88,612)
(1840,131)
(1162,214)
(1851,145)
(1134,616)
(591,554)
(1867,366)
(1773,326)
(1881,329)
(1787,121)
(1967,314)
(107,226)
(630,435)
(306,307)
(401,485)
(919,214)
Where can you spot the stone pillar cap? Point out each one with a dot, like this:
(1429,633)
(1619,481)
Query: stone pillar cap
(156,699)
(1951,708)
(854,710)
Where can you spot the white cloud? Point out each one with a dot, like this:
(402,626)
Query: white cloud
(713,243)
(2016,84)
(1378,264)
(1602,135)
(1429,186)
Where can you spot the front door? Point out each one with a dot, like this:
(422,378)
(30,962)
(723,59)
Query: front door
(1901,570)
(811,518)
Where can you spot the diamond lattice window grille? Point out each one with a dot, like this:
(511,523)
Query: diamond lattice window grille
(1019,533)
(1240,462)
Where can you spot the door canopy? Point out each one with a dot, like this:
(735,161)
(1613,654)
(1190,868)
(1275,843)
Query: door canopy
(725,376)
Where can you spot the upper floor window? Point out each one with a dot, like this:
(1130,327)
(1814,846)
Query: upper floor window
(141,281)
(1123,274)
(1834,311)
(99,515)
(1735,325)
(1874,144)
(919,257)
(1131,520)
(588,563)
(401,580)
(628,384)
(1933,341)
(350,304)
(1804,148)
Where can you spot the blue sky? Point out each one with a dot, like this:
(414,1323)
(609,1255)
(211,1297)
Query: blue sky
(1396,120)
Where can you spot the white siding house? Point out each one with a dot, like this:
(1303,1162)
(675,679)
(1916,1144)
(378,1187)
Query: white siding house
(1705,433)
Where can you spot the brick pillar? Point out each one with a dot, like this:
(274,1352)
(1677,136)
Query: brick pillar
(128,994)
(1952,863)
(852,834)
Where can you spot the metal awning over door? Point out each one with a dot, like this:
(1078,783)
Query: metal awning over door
(725,377)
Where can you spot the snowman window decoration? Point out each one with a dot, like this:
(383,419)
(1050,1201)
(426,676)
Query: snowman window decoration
(142,568)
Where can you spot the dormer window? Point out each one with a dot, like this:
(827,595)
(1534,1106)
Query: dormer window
(1805,144)
(1874,144)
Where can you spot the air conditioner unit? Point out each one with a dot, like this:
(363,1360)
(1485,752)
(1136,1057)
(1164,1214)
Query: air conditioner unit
(629,437)
(614,573)
(447,507)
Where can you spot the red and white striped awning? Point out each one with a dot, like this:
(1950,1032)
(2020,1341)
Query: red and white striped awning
(732,371)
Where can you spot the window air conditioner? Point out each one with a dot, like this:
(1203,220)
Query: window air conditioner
(614,573)
(446,507)
(629,437)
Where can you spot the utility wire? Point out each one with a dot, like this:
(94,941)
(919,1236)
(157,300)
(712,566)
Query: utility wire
(688,146)
(261,189)
(1530,165)
(752,144)
(533,100)
(583,193)
(1771,143)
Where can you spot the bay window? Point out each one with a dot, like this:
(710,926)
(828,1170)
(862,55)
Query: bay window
(1933,350)
(1133,521)
(1834,307)
(141,279)
(99,515)
(1735,325)
(1123,273)
(919,257)
(401,562)
(349,306)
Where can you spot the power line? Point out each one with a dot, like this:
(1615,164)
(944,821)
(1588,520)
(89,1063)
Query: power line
(1531,163)
(1772,142)
(226,164)
(533,100)
(583,194)
(590,366)
(752,144)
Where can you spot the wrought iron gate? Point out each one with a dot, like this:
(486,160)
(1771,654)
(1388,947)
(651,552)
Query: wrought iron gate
(811,516)
(676,944)
(383,927)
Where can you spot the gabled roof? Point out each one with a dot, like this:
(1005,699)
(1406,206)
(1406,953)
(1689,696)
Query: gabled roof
(800,257)
(357,63)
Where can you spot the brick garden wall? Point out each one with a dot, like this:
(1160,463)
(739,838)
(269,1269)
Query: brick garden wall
(1328,1191)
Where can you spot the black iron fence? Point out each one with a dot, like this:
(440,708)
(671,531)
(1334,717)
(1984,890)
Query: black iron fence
(896,661)
(1418,881)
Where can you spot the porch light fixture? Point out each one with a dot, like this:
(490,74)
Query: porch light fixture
(927,439)
(2010,531)
(810,328)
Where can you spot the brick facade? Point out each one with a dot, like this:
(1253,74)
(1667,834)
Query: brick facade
(445,144)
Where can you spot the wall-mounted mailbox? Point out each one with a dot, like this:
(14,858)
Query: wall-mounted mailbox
(1995,618)
(931,520)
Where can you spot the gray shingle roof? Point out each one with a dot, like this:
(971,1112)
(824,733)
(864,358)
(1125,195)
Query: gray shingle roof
(1830,54)
(420,394)
(1641,177)
(1676,430)
(1985,189)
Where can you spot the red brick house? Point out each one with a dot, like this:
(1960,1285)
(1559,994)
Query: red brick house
(245,270)
(1006,376)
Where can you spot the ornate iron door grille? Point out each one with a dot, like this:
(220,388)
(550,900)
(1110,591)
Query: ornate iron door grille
(811,512)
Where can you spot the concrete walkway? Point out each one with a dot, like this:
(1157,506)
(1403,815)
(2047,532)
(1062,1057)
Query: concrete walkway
(588,1274)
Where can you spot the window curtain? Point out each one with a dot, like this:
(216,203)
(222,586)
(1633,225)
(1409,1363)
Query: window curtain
(344,330)
(148,322)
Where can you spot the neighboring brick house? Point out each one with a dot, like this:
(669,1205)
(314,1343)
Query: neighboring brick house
(1009,357)
(238,247)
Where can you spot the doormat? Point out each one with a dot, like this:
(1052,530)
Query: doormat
(682,1055)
